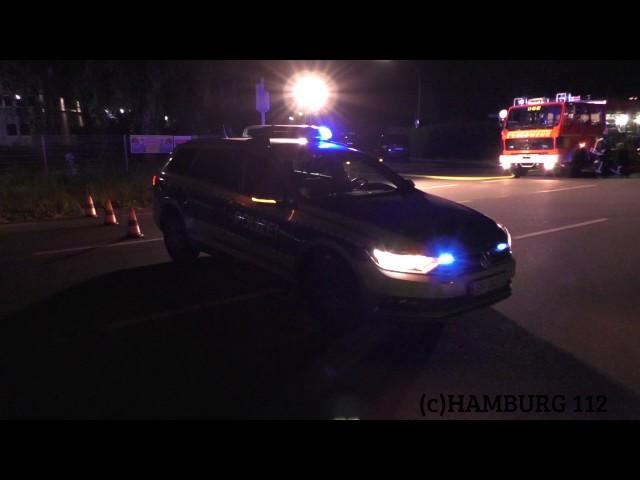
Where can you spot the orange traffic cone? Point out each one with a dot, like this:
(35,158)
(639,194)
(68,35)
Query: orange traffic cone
(134,228)
(109,215)
(90,209)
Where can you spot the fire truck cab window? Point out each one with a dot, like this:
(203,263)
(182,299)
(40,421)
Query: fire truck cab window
(536,116)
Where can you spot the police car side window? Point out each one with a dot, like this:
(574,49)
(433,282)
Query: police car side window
(181,161)
(219,166)
(260,176)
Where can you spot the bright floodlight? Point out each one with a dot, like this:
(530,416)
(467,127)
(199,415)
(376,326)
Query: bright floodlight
(622,120)
(310,92)
(503,114)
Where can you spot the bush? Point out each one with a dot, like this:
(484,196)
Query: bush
(30,197)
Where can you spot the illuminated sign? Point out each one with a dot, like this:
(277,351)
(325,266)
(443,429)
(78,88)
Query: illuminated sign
(151,143)
(529,133)
(534,109)
(537,101)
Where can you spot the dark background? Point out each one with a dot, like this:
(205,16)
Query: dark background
(200,95)
(460,98)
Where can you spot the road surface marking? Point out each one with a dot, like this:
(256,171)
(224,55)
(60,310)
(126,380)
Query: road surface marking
(565,188)
(442,186)
(439,177)
(195,308)
(558,229)
(500,180)
(103,245)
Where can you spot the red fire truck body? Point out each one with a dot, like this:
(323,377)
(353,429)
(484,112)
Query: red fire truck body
(553,136)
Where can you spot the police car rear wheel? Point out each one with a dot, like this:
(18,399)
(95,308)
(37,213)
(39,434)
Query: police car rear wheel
(176,240)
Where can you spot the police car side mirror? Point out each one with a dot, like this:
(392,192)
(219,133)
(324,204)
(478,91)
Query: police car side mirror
(408,184)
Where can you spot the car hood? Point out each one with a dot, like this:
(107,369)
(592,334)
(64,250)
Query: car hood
(428,220)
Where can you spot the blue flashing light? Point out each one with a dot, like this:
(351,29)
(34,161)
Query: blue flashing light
(325,133)
(446,259)
(332,146)
(501,246)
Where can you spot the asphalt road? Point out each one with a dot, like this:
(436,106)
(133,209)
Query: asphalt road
(96,326)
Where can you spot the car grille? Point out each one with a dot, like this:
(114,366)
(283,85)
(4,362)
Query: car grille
(473,262)
(530,144)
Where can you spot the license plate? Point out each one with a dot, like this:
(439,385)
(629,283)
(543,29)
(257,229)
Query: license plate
(486,285)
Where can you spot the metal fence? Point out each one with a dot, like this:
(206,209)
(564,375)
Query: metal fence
(76,154)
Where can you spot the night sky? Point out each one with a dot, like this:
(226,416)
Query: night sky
(460,90)
(370,94)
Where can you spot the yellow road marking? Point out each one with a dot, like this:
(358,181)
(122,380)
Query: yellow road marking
(440,177)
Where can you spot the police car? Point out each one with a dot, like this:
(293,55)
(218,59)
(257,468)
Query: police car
(353,234)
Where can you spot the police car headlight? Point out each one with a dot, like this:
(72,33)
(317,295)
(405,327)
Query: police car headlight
(404,263)
(505,230)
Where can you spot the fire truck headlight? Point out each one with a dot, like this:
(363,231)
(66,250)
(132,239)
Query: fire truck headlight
(550,163)
(582,144)
(505,163)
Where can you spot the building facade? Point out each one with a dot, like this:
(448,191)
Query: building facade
(23,118)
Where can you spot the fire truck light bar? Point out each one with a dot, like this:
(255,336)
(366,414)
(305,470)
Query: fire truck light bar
(537,101)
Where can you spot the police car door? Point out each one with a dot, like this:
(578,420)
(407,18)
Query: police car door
(213,193)
(266,214)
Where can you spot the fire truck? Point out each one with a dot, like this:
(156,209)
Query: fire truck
(557,136)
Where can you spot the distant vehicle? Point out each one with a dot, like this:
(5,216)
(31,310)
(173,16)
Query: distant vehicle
(351,233)
(349,139)
(555,137)
(394,146)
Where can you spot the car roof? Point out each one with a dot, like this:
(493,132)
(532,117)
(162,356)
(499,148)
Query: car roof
(244,142)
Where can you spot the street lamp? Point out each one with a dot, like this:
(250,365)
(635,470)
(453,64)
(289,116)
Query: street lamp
(309,93)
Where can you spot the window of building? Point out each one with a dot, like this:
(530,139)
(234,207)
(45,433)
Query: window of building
(12,129)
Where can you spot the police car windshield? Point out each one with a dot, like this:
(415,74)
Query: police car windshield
(342,172)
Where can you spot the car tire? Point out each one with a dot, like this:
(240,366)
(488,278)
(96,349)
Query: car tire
(331,292)
(176,240)
(519,172)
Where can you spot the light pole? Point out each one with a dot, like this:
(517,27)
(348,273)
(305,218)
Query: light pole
(418,113)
